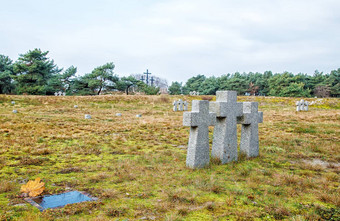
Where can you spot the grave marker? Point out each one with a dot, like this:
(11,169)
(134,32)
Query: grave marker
(174,106)
(306,106)
(186,105)
(180,105)
(250,130)
(227,110)
(199,121)
(297,106)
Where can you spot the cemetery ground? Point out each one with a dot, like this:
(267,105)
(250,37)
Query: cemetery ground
(136,166)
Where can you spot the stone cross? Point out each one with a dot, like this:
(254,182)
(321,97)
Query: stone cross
(227,110)
(306,106)
(250,129)
(297,106)
(175,105)
(302,104)
(186,105)
(180,105)
(199,121)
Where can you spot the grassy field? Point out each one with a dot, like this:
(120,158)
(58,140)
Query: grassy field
(136,166)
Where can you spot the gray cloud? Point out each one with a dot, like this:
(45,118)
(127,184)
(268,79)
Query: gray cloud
(180,38)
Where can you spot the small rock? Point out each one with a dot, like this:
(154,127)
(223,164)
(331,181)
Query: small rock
(138,115)
(15,111)
(87,116)
(20,204)
(118,114)
(75,106)
(13,102)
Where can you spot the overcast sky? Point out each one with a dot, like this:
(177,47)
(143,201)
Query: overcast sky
(176,39)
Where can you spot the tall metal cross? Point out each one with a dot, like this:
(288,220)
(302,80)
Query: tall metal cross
(147,76)
(142,78)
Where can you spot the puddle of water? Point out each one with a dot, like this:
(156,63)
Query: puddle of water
(59,200)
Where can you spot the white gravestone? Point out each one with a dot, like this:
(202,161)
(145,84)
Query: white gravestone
(180,105)
(55,93)
(186,105)
(306,106)
(250,129)
(297,106)
(227,110)
(174,106)
(302,104)
(199,121)
(64,94)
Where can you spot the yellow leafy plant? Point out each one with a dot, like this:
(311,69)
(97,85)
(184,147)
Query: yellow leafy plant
(33,188)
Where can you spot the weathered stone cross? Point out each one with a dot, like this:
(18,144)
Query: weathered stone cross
(227,110)
(250,129)
(175,105)
(180,105)
(199,120)
(185,105)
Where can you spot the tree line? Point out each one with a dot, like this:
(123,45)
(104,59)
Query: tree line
(266,84)
(36,74)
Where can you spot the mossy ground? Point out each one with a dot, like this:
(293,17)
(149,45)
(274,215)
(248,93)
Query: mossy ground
(136,166)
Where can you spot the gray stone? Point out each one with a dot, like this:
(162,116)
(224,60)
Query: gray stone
(87,116)
(138,115)
(227,110)
(306,106)
(118,114)
(302,104)
(174,106)
(297,106)
(180,105)
(15,111)
(75,106)
(250,130)
(13,102)
(199,121)
(186,104)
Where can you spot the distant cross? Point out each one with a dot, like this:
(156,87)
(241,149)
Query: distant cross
(142,78)
(147,76)
(175,105)
(250,129)
(227,110)
(302,104)
(199,121)
(180,105)
(185,105)
(152,80)
(297,105)
(306,106)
